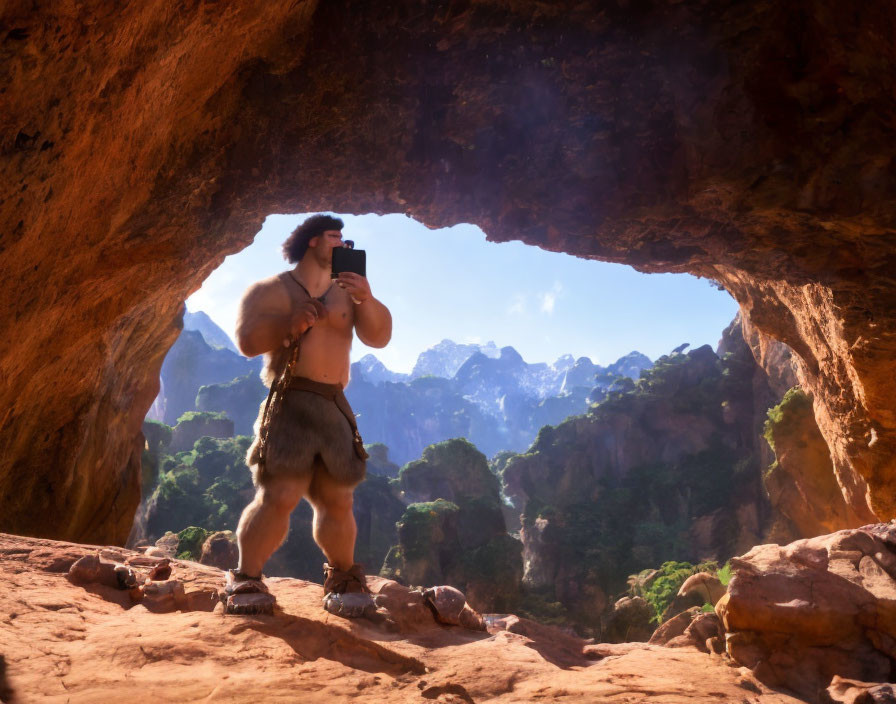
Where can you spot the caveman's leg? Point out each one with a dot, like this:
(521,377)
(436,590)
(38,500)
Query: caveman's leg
(265,522)
(334,522)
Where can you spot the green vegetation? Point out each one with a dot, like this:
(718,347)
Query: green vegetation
(238,398)
(157,434)
(499,461)
(158,437)
(421,527)
(660,587)
(204,416)
(205,487)
(660,591)
(537,604)
(190,541)
(618,490)
(498,564)
(457,535)
(725,574)
(786,418)
(454,466)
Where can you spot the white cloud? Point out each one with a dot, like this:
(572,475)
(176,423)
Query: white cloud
(518,307)
(549,298)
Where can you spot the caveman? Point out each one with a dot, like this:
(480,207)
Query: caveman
(307,444)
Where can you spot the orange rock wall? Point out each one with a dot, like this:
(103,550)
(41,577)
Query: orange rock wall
(747,142)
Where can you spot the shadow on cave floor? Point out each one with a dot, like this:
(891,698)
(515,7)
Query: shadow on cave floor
(6,692)
(312,640)
(558,656)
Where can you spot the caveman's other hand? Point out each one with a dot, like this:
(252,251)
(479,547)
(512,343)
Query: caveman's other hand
(356,285)
(305,316)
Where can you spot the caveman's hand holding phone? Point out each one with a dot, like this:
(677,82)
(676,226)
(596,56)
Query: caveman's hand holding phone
(350,271)
(356,285)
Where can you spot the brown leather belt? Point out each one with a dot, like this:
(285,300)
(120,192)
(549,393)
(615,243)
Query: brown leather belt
(334,393)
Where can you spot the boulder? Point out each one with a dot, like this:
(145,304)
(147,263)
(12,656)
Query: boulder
(703,633)
(220,550)
(801,614)
(843,691)
(166,546)
(629,621)
(674,627)
(705,585)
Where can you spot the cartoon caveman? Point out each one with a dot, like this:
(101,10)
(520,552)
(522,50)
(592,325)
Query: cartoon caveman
(307,443)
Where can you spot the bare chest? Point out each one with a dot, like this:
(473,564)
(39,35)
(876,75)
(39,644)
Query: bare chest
(339,315)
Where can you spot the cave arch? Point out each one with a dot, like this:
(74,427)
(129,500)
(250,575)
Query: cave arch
(747,143)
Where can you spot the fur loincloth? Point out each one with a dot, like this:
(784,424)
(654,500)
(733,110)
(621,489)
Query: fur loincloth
(307,426)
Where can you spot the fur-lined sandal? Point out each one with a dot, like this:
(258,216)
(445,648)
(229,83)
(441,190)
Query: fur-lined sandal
(247,595)
(346,593)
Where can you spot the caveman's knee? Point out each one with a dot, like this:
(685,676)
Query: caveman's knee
(334,499)
(281,494)
(340,502)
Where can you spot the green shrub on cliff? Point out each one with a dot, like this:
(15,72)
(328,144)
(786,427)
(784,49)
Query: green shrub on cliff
(662,588)
(157,434)
(537,604)
(422,527)
(190,541)
(499,565)
(158,437)
(206,487)
(786,417)
(193,416)
(454,470)
(455,531)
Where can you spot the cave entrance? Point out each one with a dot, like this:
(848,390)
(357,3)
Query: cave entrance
(490,342)
(452,292)
(471,318)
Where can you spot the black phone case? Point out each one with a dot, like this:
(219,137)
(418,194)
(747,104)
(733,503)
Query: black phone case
(354,260)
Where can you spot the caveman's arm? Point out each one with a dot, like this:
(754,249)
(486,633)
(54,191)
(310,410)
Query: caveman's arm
(264,318)
(373,323)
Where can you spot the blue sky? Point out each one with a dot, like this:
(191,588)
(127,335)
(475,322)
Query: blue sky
(452,283)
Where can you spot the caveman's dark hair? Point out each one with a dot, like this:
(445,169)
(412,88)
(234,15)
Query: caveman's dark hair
(297,243)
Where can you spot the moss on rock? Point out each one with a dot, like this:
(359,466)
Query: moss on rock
(190,540)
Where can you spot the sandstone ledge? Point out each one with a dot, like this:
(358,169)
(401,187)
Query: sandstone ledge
(65,643)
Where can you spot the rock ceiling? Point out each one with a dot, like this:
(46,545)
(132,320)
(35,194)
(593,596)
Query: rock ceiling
(747,142)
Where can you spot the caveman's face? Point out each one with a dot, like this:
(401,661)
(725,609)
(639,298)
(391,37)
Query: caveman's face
(321,247)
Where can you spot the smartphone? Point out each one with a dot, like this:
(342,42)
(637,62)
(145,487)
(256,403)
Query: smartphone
(345,259)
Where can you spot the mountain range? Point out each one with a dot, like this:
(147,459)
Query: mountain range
(489,395)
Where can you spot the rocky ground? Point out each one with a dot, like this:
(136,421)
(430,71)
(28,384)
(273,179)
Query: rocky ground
(64,642)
